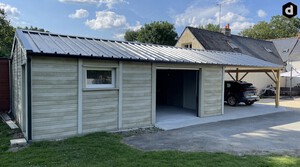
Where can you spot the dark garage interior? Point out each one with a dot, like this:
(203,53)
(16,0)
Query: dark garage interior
(176,92)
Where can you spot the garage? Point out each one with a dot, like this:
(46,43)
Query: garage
(176,94)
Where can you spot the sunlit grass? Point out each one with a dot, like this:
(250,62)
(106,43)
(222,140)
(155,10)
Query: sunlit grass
(103,149)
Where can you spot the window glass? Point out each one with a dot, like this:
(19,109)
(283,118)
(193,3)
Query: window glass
(100,78)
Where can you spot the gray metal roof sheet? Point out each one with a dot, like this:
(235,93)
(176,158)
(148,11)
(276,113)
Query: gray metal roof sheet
(49,43)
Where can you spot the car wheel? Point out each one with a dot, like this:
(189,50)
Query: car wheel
(232,101)
(249,103)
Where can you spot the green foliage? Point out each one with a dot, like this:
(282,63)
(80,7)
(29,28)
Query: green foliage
(4,137)
(157,32)
(6,35)
(278,27)
(131,35)
(211,27)
(33,28)
(103,149)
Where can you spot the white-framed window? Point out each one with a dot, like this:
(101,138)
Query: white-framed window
(100,78)
(187,45)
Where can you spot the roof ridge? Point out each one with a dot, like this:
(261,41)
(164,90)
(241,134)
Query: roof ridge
(225,35)
(85,37)
(127,42)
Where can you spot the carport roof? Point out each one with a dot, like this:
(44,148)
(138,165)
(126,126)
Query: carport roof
(44,43)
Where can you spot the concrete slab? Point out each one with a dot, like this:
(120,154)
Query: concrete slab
(5,117)
(276,133)
(11,124)
(174,118)
(15,142)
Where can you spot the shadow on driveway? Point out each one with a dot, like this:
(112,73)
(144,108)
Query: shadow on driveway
(277,133)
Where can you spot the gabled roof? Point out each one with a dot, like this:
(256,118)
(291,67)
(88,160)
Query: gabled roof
(288,48)
(41,43)
(264,50)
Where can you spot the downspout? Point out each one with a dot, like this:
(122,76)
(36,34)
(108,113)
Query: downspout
(29,100)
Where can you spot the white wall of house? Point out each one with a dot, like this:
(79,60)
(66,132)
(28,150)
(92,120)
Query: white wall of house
(295,80)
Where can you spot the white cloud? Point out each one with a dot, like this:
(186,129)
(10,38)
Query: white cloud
(136,27)
(12,12)
(233,13)
(228,1)
(261,13)
(80,13)
(232,17)
(105,20)
(109,3)
(196,16)
(119,36)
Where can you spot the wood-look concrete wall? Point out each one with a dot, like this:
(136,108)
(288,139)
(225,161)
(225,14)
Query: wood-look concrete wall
(54,97)
(18,69)
(136,95)
(212,88)
(63,107)
(99,107)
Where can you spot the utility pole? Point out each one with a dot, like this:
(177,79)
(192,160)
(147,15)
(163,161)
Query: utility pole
(220,9)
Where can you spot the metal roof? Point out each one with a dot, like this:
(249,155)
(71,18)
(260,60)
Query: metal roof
(55,44)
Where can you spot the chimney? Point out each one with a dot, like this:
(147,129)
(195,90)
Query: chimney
(226,30)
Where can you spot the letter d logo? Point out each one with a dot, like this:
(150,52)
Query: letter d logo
(289,10)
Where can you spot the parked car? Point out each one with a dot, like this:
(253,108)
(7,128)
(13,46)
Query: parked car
(240,91)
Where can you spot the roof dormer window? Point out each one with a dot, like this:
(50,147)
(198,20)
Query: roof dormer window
(232,45)
(268,50)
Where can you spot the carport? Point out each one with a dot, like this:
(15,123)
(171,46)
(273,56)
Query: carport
(272,73)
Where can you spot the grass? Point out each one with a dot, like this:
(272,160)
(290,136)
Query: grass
(103,149)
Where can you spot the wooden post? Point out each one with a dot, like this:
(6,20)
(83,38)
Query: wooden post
(277,89)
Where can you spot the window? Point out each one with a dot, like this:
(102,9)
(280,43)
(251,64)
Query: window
(268,50)
(100,78)
(232,45)
(189,45)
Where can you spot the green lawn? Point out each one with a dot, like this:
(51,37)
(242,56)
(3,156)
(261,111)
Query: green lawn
(102,149)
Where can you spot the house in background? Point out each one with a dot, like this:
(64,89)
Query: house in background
(68,85)
(289,50)
(224,41)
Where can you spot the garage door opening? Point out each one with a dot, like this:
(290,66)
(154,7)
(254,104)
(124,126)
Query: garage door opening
(176,94)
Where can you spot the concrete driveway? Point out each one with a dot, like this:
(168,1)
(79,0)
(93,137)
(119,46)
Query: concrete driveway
(277,133)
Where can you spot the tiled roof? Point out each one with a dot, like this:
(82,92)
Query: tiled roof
(288,48)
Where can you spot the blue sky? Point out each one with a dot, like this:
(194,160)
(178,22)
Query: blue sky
(109,19)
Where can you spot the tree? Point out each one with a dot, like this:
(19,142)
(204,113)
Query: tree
(6,35)
(211,27)
(278,27)
(131,35)
(157,32)
(33,28)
